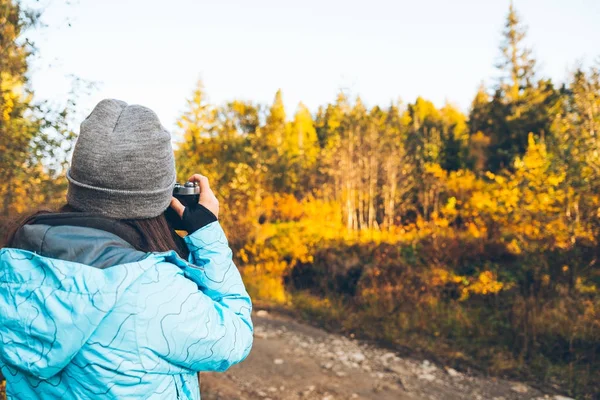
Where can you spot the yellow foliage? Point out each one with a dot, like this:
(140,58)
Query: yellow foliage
(441,276)
(435,170)
(475,231)
(486,283)
(265,283)
(514,247)
(281,207)
(582,287)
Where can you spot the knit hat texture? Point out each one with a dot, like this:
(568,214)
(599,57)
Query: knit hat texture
(123,165)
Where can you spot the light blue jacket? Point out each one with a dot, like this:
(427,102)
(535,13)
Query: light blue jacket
(85,316)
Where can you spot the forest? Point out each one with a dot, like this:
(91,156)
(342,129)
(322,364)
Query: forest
(469,237)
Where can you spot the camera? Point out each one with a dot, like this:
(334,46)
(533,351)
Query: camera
(188,193)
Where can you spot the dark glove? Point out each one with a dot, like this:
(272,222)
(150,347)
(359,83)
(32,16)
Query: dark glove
(195,217)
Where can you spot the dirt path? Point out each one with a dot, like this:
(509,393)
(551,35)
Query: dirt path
(291,360)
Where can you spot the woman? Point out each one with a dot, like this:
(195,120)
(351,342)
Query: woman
(97,301)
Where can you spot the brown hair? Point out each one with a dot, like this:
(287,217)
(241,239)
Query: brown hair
(155,233)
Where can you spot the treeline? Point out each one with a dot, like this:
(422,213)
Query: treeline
(472,236)
(378,162)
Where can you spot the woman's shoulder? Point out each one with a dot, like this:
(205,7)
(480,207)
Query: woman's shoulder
(166,270)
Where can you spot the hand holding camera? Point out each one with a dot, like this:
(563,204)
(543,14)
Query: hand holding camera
(193,206)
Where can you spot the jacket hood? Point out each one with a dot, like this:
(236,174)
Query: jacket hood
(56,288)
(93,247)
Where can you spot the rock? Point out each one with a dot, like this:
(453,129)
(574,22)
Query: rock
(398,369)
(272,389)
(428,367)
(389,386)
(557,397)
(259,332)
(519,388)
(327,365)
(427,377)
(340,374)
(278,361)
(387,357)
(260,393)
(357,357)
(452,372)
(262,313)
(377,387)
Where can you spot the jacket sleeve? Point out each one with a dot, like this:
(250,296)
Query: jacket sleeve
(204,323)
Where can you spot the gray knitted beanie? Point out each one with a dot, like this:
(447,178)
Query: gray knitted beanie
(123,165)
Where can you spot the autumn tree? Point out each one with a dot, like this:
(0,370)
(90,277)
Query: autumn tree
(480,127)
(271,144)
(424,145)
(35,137)
(576,147)
(301,148)
(521,105)
(329,125)
(397,179)
(220,142)
(195,125)
(455,138)
(17,127)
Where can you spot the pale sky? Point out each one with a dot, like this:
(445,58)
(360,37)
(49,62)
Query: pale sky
(152,52)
